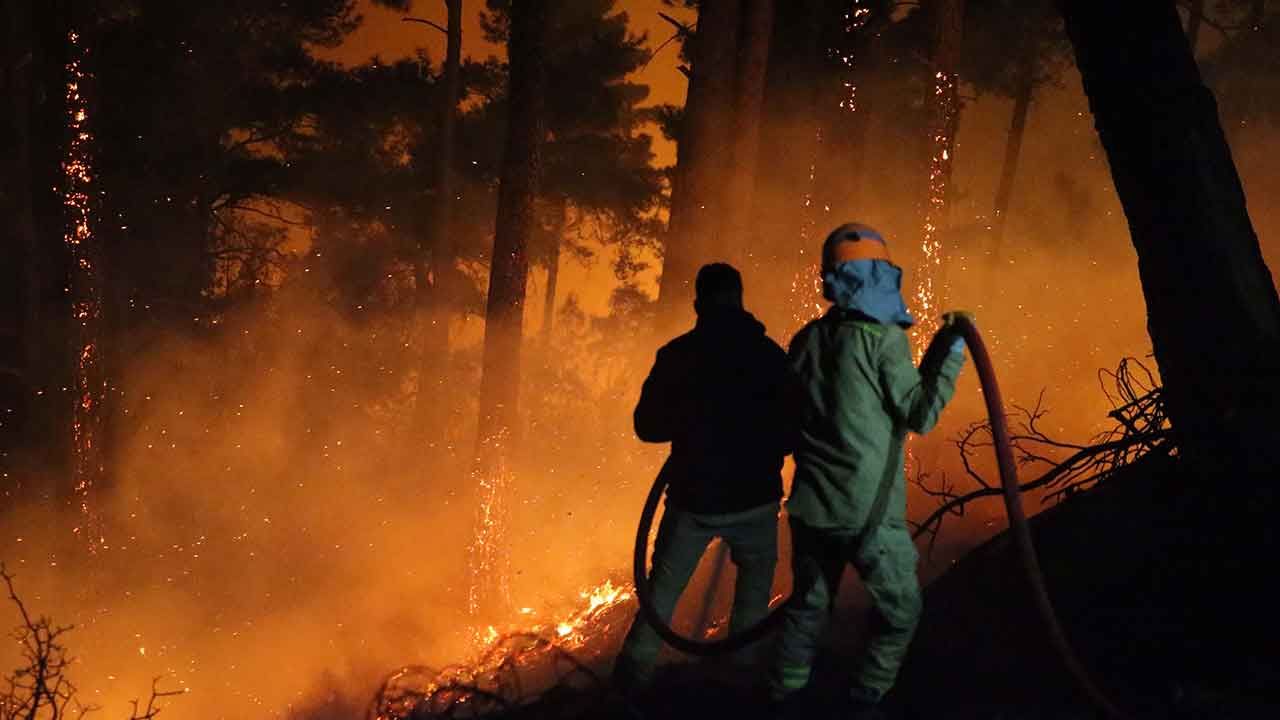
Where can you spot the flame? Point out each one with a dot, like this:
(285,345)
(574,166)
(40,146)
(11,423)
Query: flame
(505,653)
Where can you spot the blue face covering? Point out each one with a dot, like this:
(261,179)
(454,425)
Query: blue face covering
(871,287)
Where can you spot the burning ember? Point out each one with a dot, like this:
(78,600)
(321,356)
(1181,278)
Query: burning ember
(90,385)
(515,662)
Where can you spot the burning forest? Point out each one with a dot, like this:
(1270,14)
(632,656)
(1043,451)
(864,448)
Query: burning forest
(325,328)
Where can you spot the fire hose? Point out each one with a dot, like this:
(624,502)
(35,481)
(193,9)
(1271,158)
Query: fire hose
(962,325)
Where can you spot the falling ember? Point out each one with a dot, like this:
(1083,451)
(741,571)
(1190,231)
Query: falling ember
(946,112)
(928,289)
(489,563)
(806,285)
(86,294)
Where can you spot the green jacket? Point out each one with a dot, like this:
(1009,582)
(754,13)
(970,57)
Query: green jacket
(860,389)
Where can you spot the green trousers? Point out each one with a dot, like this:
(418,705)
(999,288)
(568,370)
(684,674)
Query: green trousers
(887,564)
(752,537)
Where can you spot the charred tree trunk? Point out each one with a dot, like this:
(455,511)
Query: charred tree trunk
(1212,308)
(1012,151)
(697,194)
(752,66)
(436,278)
(508,278)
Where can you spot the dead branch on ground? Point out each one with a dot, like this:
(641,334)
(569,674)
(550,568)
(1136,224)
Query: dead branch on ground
(1141,427)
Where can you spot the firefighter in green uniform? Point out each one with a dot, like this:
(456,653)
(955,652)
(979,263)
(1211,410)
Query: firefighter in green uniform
(860,395)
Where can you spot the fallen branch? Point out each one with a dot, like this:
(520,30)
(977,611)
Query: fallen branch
(1141,427)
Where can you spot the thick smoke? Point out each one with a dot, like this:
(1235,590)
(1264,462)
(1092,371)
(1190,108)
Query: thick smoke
(279,538)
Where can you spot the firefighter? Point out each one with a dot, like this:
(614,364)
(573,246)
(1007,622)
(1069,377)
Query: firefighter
(860,393)
(718,394)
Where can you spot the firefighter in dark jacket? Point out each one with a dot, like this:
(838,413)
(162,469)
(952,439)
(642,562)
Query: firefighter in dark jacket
(718,395)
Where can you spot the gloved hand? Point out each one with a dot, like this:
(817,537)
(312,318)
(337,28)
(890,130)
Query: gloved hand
(950,325)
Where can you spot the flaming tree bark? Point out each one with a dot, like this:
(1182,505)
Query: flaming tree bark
(949,29)
(436,276)
(1212,308)
(697,194)
(508,279)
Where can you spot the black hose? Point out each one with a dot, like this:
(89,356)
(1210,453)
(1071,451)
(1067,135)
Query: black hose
(1017,525)
(645,594)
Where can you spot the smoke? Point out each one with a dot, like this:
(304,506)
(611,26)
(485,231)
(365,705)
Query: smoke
(278,537)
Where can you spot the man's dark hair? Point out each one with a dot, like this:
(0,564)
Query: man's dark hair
(717,285)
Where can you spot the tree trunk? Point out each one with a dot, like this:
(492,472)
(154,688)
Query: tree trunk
(508,278)
(1012,151)
(85,289)
(1195,18)
(753,62)
(858,108)
(945,100)
(814,196)
(1212,309)
(561,221)
(18,180)
(435,274)
(703,152)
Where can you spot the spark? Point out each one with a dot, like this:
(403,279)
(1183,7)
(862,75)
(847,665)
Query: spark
(942,138)
(806,284)
(86,307)
(489,563)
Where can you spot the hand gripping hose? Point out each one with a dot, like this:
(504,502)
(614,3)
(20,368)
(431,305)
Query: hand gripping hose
(964,326)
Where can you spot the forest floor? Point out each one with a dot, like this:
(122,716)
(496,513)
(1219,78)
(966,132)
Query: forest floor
(1161,583)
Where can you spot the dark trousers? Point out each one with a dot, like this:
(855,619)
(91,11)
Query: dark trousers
(886,561)
(752,537)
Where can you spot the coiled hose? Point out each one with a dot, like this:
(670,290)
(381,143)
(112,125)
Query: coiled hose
(964,326)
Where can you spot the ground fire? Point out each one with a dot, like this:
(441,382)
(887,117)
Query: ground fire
(325,328)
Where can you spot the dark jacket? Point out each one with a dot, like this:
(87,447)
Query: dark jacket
(719,394)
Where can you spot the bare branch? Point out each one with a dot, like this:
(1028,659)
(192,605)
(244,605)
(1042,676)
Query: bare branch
(1141,427)
(682,30)
(424,21)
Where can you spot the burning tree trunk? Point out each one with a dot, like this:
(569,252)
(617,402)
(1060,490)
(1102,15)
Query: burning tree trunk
(435,273)
(697,194)
(85,289)
(1212,308)
(945,100)
(752,66)
(508,278)
(1012,151)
